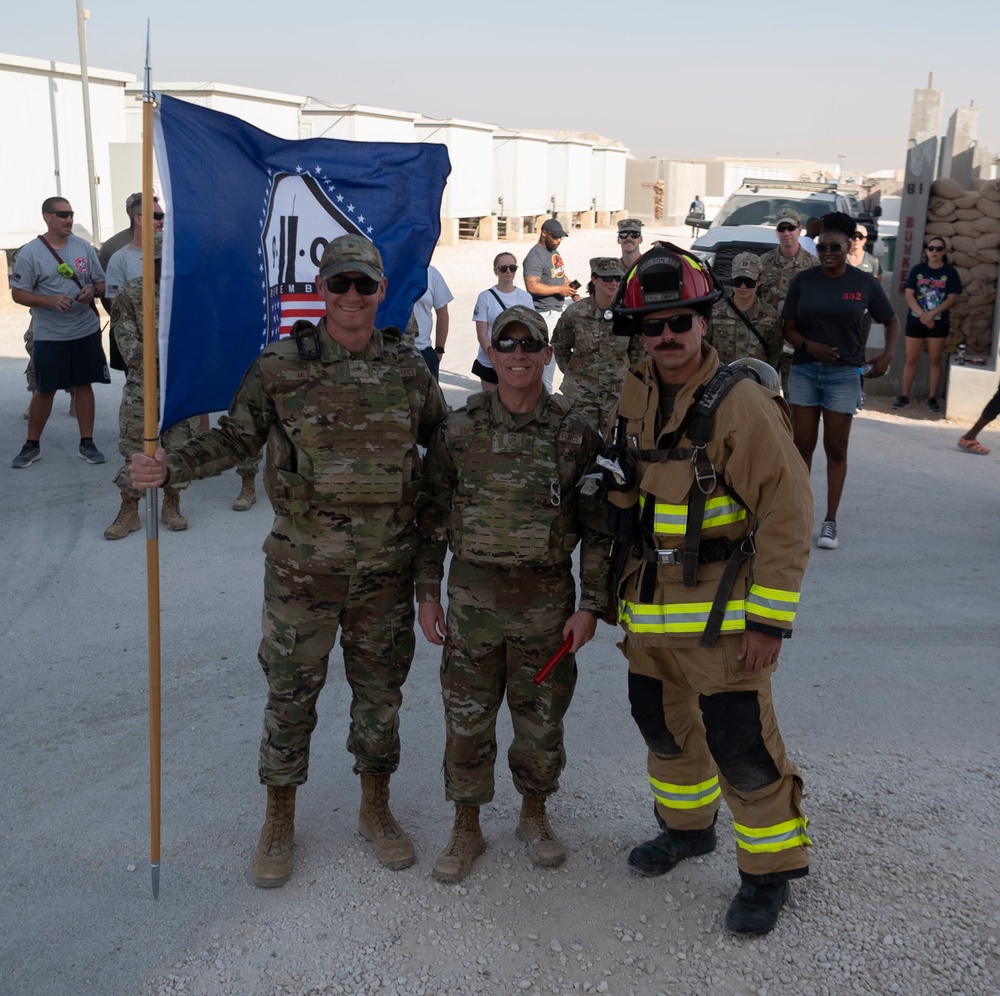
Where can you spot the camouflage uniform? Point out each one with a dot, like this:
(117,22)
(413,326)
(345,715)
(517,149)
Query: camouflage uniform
(732,339)
(342,474)
(126,326)
(502,490)
(776,272)
(593,360)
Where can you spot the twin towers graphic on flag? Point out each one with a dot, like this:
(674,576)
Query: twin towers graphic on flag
(300,220)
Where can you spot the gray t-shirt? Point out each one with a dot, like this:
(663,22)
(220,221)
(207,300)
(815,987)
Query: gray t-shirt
(549,266)
(35,270)
(124,265)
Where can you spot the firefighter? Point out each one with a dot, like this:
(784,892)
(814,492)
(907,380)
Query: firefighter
(712,510)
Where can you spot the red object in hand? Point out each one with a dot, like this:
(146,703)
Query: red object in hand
(553,661)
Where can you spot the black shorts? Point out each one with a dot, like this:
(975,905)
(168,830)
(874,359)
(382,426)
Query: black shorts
(485,373)
(915,329)
(61,364)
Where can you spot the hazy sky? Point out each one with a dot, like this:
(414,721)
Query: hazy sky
(678,80)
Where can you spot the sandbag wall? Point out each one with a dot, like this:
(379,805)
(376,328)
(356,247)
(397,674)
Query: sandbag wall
(970,221)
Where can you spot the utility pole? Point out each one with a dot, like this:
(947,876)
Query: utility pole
(95,216)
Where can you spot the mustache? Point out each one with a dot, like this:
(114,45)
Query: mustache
(665,347)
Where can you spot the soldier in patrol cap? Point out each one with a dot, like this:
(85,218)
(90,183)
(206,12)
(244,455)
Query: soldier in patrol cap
(503,478)
(741,324)
(126,327)
(630,241)
(592,358)
(342,407)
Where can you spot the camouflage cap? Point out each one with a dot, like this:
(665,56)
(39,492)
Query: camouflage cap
(521,315)
(607,266)
(788,214)
(157,245)
(351,252)
(630,225)
(746,264)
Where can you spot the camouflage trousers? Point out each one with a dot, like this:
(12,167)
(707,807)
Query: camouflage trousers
(132,432)
(29,348)
(301,617)
(503,625)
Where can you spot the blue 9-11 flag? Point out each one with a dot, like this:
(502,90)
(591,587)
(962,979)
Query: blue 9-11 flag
(248,218)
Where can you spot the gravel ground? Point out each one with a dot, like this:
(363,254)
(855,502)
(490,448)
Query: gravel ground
(886,697)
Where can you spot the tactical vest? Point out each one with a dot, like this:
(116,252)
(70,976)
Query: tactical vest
(514,502)
(349,438)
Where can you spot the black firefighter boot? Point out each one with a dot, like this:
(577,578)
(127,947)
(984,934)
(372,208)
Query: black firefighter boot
(755,908)
(659,855)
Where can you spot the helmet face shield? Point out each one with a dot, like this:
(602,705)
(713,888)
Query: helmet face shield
(664,277)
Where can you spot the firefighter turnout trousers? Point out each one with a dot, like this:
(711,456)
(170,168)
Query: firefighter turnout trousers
(711,731)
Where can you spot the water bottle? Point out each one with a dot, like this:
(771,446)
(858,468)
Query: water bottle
(961,354)
(866,369)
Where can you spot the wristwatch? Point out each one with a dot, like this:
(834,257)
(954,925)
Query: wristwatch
(439,350)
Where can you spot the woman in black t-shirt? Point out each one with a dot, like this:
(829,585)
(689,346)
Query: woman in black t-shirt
(932,288)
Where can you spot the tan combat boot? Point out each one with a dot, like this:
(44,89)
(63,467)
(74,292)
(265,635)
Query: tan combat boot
(247,497)
(271,863)
(127,521)
(466,844)
(393,847)
(170,513)
(533,828)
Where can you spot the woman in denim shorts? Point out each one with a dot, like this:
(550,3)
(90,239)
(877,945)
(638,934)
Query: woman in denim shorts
(823,317)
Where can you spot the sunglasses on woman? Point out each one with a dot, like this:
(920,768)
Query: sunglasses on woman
(935,248)
(744,282)
(508,268)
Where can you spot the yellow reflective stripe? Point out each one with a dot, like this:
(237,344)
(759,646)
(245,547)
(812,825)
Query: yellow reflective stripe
(685,796)
(772,603)
(780,837)
(671,520)
(680,617)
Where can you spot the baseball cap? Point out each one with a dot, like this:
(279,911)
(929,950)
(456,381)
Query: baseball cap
(788,214)
(746,264)
(351,252)
(607,266)
(554,228)
(521,315)
(630,225)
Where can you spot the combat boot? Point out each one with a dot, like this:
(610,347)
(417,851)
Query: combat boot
(393,847)
(659,855)
(127,521)
(466,844)
(170,513)
(533,828)
(271,863)
(247,497)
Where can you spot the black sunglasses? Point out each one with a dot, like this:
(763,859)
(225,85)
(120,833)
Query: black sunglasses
(744,282)
(509,345)
(509,268)
(607,280)
(857,236)
(830,246)
(628,235)
(62,214)
(936,249)
(341,284)
(676,323)
(787,228)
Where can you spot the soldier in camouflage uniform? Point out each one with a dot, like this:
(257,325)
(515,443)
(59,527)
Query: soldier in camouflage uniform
(777,268)
(592,358)
(342,407)
(729,331)
(126,326)
(503,476)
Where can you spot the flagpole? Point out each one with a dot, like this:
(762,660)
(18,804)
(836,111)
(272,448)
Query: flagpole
(150,388)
